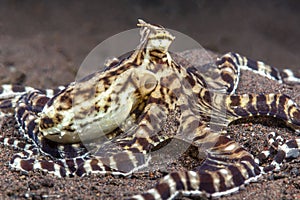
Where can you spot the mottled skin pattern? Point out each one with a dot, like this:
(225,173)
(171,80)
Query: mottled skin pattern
(118,115)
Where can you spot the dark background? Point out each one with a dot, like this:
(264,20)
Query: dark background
(33,30)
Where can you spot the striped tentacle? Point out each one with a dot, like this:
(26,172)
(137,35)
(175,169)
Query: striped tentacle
(274,105)
(222,76)
(71,157)
(26,113)
(227,167)
(290,77)
(8,91)
(147,134)
(230,65)
(11,94)
(274,140)
(290,149)
(258,67)
(25,162)
(280,149)
(229,72)
(123,163)
(17,143)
